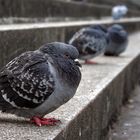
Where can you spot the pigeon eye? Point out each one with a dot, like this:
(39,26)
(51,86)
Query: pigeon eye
(66,56)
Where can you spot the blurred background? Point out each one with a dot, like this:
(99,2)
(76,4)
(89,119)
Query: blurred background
(18,11)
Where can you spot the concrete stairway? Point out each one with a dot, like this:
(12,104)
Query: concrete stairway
(131,4)
(101,92)
(103,88)
(55,8)
(127,126)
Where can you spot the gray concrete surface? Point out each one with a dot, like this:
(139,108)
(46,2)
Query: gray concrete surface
(131,4)
(55,8)
(128,125)
(87,115)
(45,8)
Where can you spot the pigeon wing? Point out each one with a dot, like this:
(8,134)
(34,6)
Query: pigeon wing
(26,81)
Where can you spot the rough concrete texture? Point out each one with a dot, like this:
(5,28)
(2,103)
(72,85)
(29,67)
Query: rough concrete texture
(131,4)
(87,115)
(18,38)
(44,8)
(61,8)
(128,125)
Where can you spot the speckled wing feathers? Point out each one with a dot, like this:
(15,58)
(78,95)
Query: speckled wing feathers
(89,41)
(26,81)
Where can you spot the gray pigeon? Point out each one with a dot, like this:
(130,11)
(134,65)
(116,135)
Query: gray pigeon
(90,42)
(38,82)
(119,11)
(118,40)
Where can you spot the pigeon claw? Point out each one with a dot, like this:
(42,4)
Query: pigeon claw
(44,121)
(90,62)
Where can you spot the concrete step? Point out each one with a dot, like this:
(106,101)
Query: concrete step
(128,125)
(104,7)
(101,92)
(45,8)
(131,4)
(54,8)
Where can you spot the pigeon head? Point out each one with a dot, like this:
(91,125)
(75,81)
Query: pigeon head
(99,27)
(57,49)
(102,29)
(61,51)
(117,33)
(64,58)
(116,27)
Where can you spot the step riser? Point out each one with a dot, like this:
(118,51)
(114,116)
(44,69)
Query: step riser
(44,8)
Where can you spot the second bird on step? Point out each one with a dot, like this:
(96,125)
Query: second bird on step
(90,42)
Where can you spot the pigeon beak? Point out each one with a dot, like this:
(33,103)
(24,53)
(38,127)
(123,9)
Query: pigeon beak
(77,63)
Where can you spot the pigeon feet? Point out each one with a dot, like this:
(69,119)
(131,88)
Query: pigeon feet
(44,121)
(90,62)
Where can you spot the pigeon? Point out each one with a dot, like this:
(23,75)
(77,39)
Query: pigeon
(90,41)
(119,11)
(100,27)
(36,83)
(118,40)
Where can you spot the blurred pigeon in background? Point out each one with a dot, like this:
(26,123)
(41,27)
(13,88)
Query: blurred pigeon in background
(90,42)
(38,82)
(119,11)
(118,40)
